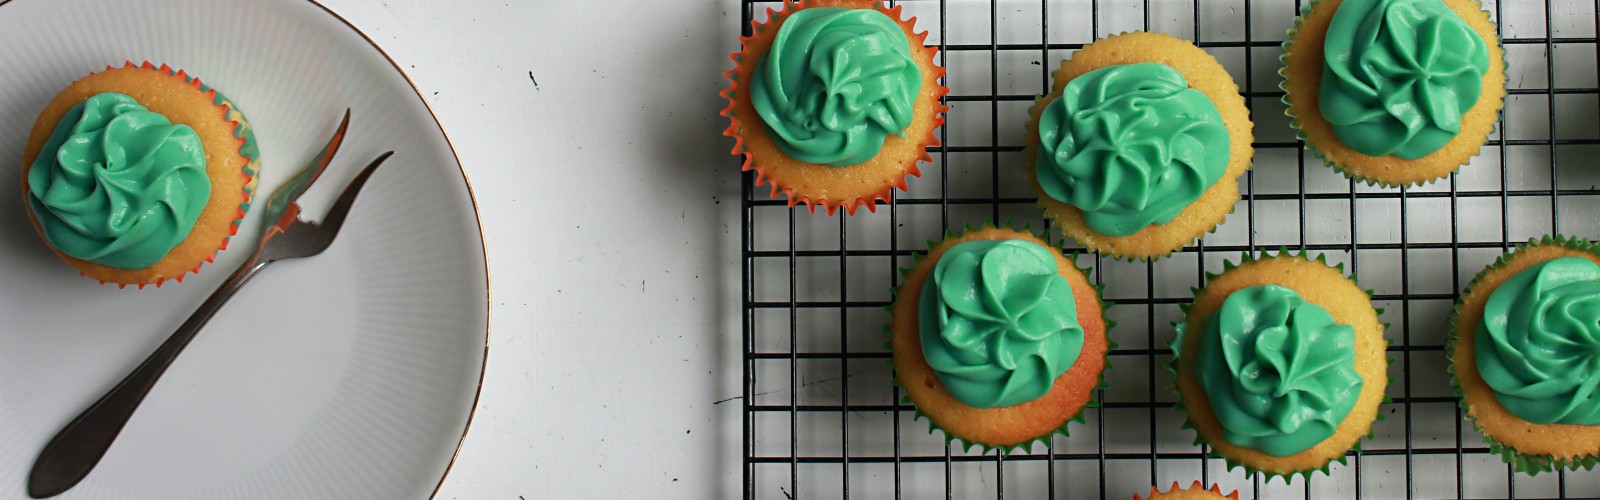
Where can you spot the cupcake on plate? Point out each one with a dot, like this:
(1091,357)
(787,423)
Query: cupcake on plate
(1280,365)
(998,339)
(1195,491)
(1524,352)
(833,102)
(1138,148)
(138,175)
(1394,92)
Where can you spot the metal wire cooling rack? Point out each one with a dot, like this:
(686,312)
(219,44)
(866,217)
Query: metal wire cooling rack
(822,419)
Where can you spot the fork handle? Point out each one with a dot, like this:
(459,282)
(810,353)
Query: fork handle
(75,450)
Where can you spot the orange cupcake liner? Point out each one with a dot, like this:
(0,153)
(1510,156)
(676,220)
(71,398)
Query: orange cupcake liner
(1196,489)
(749,45)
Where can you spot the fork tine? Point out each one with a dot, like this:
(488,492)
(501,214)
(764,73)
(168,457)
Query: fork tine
(283,198)
(347,198)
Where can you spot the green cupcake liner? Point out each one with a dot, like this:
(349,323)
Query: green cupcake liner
(1531,464)
(962,443)
(1177,344)
(1294,121)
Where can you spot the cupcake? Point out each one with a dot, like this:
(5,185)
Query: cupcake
(1394,92)
(139,174)
(833,102)
(999,340)
(1195,491)
(1279,365)
(1138,148)
(1524,353)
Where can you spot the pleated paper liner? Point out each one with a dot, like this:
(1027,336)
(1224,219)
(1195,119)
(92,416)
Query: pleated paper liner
(849,187)
(1302,77)
(151,86)
(1196,491)
(1530,448)
(1197,414)
(1205,74)
(942,411)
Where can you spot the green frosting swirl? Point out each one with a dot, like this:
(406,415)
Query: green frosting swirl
(835,84)
(117,184)
(1280,373)
(1130,145)
(1399,75)
(1538,346)
(998,322)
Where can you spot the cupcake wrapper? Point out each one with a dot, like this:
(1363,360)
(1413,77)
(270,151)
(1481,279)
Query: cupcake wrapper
(1294,121)
(1531,464)
(961,443)
(249,148)
(829,206)
(1177,344)
(1197,486)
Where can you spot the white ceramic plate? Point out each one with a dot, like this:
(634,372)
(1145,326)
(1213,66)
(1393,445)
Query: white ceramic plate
(348,375)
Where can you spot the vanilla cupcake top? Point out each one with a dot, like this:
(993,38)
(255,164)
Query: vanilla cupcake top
(1130,145)
(1538,345)
(117,184)
(835,84)
(1399,75)
(998,322)
(1278,370)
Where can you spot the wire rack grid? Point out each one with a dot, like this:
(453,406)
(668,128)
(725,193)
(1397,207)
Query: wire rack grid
(822,418)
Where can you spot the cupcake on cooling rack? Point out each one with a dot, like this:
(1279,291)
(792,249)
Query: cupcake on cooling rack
(1280,365)
(999,339)
(1524,352)
(833,102)
(1195,491)
(1394,92)
(139,174)
(1138,148)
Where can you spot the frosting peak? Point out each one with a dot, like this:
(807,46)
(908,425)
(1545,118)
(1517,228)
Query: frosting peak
(1538,345)
(1130,145)
(1279,372)
(998,322)
(1399,75)
(117,184)
(835,84)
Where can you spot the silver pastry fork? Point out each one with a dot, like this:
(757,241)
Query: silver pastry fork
(74,451)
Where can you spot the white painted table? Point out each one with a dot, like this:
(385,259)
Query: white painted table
(613,277)
(589,131)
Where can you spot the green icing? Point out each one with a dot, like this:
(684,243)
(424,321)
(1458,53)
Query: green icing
(1538,346)
(117,184)
(1280,373)
(1130,145)
(1399,75)
(998,322)
(835,84)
